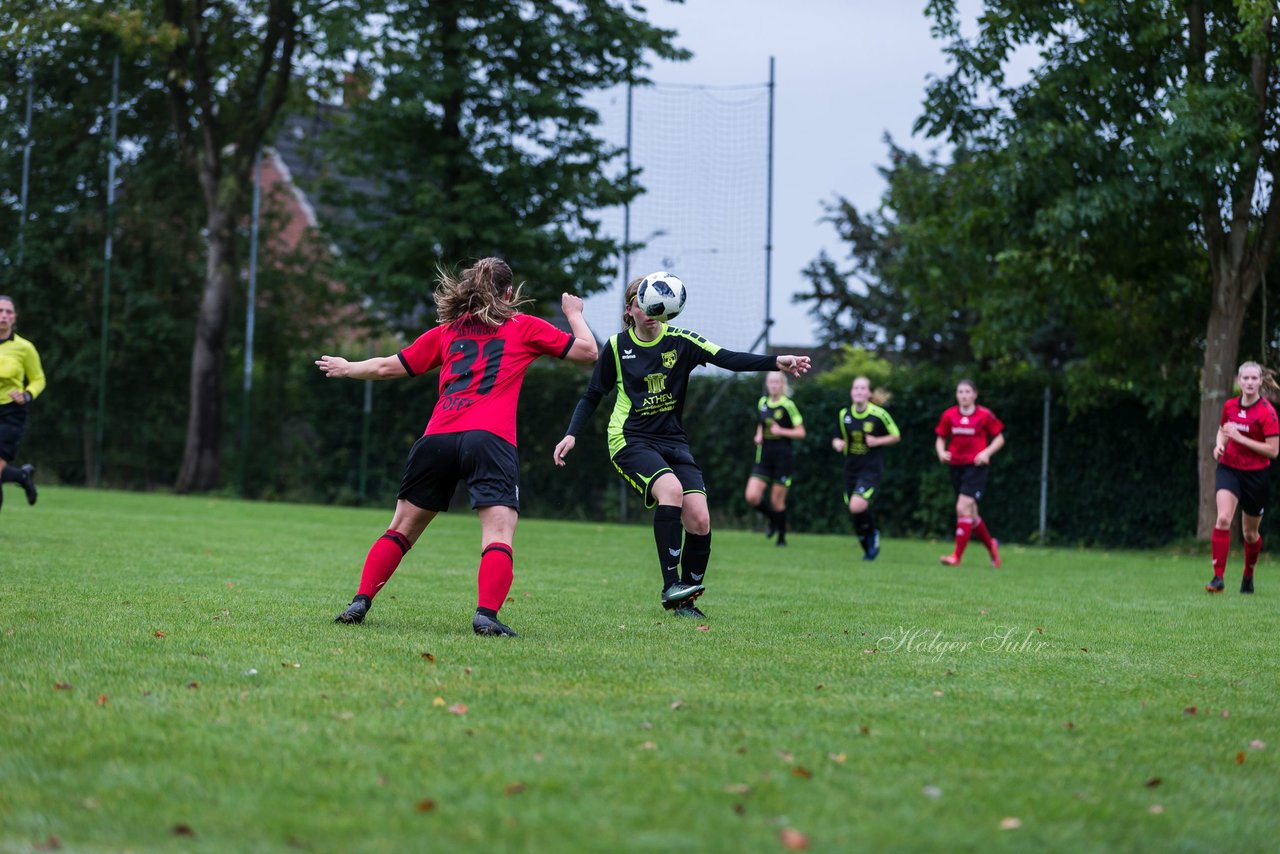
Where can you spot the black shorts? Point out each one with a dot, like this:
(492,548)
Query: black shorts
(1250,486)
(775,462)
(13,424)
(641,461)
(969,480)
(488,464)
(862,477)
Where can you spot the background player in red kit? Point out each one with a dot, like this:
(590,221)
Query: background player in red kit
(968,436)
(482,346)
(1248,440)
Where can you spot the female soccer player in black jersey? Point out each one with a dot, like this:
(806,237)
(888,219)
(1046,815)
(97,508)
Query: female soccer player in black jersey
(778,422)
(648,364)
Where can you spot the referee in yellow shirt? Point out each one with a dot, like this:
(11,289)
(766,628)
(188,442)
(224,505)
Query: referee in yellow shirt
(21,381)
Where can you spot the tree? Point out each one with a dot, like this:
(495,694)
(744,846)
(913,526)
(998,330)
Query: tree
(477,138)
(228,76)
(1176,102)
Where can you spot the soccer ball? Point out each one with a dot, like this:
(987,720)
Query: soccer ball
(661,296)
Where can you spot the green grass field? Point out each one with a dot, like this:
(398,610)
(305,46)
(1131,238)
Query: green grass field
(171,679)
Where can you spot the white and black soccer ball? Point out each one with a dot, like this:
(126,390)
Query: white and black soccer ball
(661,295)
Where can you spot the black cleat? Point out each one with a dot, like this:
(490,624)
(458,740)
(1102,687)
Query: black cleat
(678,593)
(490,627)
(1246,584)
(688,609)
(355,611)
(871,546)
(29,482)
(1214,586)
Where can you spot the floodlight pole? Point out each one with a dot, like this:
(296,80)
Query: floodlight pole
(250,320)
(1044,467)
(106,277)
(26,164)
(626,270)
(768,219)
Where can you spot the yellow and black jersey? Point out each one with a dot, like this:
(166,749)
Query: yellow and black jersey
(651,378)
(20,369)
(781,413)
(855,426)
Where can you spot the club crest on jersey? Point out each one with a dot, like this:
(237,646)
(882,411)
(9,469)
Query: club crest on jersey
(669,359)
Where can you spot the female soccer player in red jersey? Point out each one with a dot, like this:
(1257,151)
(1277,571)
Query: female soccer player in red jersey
(968,436)
(1248,440)
(648,365)
(482,346)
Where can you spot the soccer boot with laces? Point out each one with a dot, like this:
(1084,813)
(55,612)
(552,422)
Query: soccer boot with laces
(994,551)
(491,627)
(1246,584)
(29,482)
(688,609)
(872,546)
(355,611)
(949,560)
(1215,585)
(677,593)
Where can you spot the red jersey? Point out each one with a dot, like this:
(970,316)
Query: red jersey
(1257,421)
(481,369)
(968,434)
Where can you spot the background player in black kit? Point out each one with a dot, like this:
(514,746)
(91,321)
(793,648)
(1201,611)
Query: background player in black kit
(861,431)
(648,364)
(778,422)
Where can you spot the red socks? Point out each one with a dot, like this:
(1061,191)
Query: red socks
(495,577)
(1250,555)
(984,536)
(1220,543)
(964,530)
(383,558)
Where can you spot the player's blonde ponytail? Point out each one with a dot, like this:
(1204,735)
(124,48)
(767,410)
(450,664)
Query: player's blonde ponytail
(633,287)
(483,291)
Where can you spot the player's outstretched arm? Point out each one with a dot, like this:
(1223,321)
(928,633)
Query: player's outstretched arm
(584,350)
(377,368)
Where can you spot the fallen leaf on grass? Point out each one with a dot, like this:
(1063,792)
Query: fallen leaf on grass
(426,805)
(704,628)
(802,772)
(344,716)
(1153,782)
(786,756)
(737,789)
(290,664)
(937,693)
(537,757)
(429,658)
(649,745)
(818,687)
(739,809)
(1155,809)
(513,789)
(183,830)
(1190,710)
(89,804)
(864,729)
(458,709)
(62,686)
(838,758)
(869,651)
(1069,725)
(102,699)
(1240,758)
(1226,713)
(646,725)
(53,843)
(1010,823)
(677,704)
(466,671)
(931,792)
(438,701)
(792,839)
(159,634)
(193,684)
(1257,745)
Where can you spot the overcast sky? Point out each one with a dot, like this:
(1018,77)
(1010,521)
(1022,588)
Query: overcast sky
(848,71)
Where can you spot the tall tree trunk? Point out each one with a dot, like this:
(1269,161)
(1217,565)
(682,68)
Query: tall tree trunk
(202,457)
(1231,296)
